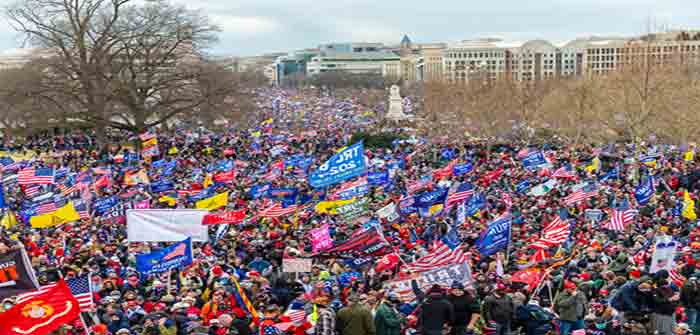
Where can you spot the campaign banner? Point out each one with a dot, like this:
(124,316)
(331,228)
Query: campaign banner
(664,252)
(321,239)
(296,265)
(348,163)
(368,242)
(461,169)
(231,217)
(102,205)
(166,225)
(460,273)
(173,257)
(544,188)
(354,209)
(534,160)
(388,212)
(162,185)
(594,215)
(259,191)
(16,274)
(496,236)
(378,178)
(645,191)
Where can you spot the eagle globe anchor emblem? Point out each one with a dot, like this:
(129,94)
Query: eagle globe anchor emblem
(37,310)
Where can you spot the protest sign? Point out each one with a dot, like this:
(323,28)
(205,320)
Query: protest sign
(460,273)
(296,265)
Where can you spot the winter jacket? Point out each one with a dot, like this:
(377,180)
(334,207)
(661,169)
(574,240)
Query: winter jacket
(628,299)
(690,295)
(435,313)
(386,320)
(661,301)
(464,306)
(499,309)
(570,307)
(355,320)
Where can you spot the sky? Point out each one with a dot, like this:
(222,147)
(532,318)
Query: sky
(253,27)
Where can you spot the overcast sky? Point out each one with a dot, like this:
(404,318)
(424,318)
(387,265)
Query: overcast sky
(252,27)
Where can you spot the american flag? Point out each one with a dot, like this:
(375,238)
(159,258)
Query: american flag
(69,186)
(185,193)
(12,167)
(80,287)
(620,219)
(554,234)
(82,209)
(415,186)
(35,176)
(563,172)
(505,197)
(32,191)
(441,255)
(277,210)
(46,208)
(464,191)
(580,195)
(522,153)
(676,278)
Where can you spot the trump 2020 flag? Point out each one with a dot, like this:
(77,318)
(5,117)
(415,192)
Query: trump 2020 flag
(348,163)
(644,191)
(496,236)
(173,257)
(534,160)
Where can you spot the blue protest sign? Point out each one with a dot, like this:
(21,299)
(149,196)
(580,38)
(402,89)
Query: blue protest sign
(348,163)
(461,169)
(172,257)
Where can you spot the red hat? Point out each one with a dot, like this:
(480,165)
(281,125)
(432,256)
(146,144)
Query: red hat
(131,303)
(603,292)
(253,274)
(160,305)
(501,286)
(217,271)
(568,285)
(100,329)
(585,276)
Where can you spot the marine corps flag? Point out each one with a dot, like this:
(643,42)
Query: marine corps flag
(42,314)
(16,274)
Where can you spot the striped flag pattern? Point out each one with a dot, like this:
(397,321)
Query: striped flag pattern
(35,176)
(563,172)
(462,194)
(32,191)
(555,233)
(417,185)
(277,210)
(80,287)
(46,208)
(579,196)
(620,219)
(441,255)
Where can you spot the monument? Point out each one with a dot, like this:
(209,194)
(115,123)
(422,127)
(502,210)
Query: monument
(395,105)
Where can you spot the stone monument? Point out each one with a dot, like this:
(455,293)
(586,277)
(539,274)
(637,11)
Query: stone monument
(395,105)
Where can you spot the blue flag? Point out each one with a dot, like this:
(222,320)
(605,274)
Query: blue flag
(612,174)
(259,191)
(447,154)
(534,159)
(162,185)
(644,191)
(475,204)
(175,256)
(496,236)
(348,163)
(378,178)
(523,186)
(102,205)
(461,169)
(2,197)
(431,203)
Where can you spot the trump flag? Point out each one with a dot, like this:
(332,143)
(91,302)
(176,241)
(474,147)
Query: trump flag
(175,256)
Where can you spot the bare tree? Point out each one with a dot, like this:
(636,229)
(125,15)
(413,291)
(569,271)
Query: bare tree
(125,65)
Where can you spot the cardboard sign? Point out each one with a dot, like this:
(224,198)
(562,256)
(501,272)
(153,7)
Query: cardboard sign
(296,265)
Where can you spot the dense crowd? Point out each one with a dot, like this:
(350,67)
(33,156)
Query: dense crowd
(595,277)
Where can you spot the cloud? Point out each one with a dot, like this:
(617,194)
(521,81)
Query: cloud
(244,26)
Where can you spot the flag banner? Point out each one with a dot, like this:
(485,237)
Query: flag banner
(534,160)
(60,216)
(531,277)
(288,194)
(544,188)
(321,239)
(259,191)
(162,185)
(42,314)
(348,163)
(378,178)
(173,257)
(645,191)
(428,199)
(369,242)
(212,203)
(664,253)
(351,190)
(231,217)
(496,236)
(225,177)
(166,225)
(135,178)
(16,274)
(523,186)
(388,212)
(594,215)
(329,207)
(353,209)
(296,265)
(388,262)
(461,169)
(445,276)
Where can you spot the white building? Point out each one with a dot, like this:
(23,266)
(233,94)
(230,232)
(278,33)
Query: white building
(475,58)
(372,62)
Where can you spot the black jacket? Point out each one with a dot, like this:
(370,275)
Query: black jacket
(464,306)
(435,312)
(499,309)
(690,295)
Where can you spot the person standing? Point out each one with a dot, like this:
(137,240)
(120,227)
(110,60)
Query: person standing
(570,305)
(386,318)
(436,312)
(355,319)
(690,299)
(466,309)
(498,309)
(325,324)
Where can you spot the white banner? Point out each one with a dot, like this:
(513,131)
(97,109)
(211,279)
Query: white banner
(166,225)
(296,265)
(444,276)
(388,212)
(664,252)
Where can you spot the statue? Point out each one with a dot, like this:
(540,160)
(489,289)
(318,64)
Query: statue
(395,105)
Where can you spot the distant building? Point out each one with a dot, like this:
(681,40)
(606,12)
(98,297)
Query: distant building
(356,58)
(484,58)
(539,59)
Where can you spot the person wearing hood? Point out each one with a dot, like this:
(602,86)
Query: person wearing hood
(436,312)
(387,320)
(690,300)
(665,301)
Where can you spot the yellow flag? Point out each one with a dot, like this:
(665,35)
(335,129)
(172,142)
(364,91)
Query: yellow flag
(135,178)
(595,165)
(688,156)
(173,151)
(169,200)
(9,220)
(208,181)
(60,216)
(329,207)
(256,133)
(688,207)
(215,202)
(150,142)
(266,122)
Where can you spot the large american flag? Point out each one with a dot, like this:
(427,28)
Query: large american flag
(35,176)
(563,172)
(554,234)
(464,191)
(46,208)
(580,195)
(441,255)
(620,219)
(80,287)
(417,185)
(32,191)
(278,210)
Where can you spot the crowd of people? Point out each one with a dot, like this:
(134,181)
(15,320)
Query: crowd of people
(603,274)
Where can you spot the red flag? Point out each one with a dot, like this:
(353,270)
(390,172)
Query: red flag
(444,172)
(41,314)
(492,176)
(235,217)
(388,262)
(530,277)
(225,177)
